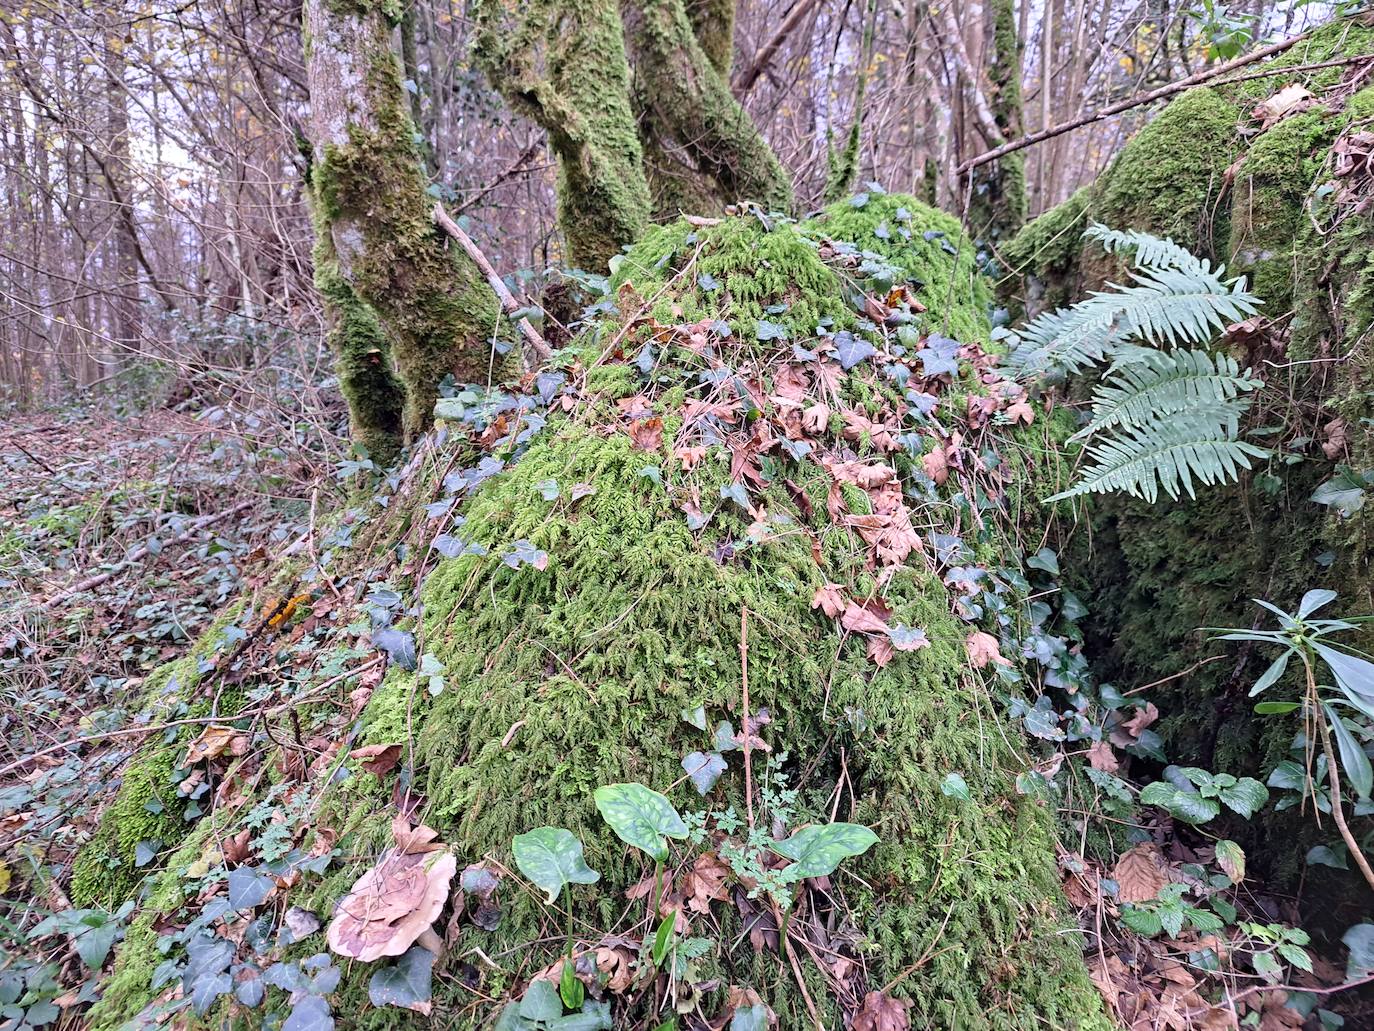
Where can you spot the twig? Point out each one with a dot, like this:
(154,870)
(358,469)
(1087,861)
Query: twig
(536,342)
(34,457)
(153,728)
(1182,673)
(519,163)
(770,49)
(1145,98)
(746,733)
(141,552)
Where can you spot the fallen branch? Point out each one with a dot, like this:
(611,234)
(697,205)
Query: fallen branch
(141,552)
(536,342)
(1141,99)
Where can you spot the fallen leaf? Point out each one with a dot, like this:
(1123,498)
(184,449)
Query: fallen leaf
(1139,873)
(392,904)
(860,620)
(647,434)
(215,741)
(881,1012)
(982,649)
(1289,100)
(1022,412)
(829,599)
(705,883)
(936,464)
(1101,757)
(378,759)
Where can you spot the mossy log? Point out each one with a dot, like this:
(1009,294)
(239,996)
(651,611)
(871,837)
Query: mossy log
(1264,195)
(575,671)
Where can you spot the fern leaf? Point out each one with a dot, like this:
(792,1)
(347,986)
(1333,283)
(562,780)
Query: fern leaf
(1170,306)
(1170,454)
(1154,384)
(1150,252)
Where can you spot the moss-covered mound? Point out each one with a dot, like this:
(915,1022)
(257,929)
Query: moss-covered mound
(768,454)
(1250,174)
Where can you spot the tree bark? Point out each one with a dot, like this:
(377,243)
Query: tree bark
(563,65)
(436,309)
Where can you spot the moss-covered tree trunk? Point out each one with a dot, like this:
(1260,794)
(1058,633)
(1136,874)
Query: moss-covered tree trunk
(369,189)
(563,65)
(997,191)
(683,101)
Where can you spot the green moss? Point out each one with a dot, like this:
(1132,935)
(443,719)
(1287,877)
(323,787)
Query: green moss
(997,196)
(1042,259)
(691,109)
(956,295)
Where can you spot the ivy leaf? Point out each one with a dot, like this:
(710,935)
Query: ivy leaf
(817,850)
(1360,941)
(954,786)
(704,768)
(640,817)
(146,851)
(399,645)
(249,887)
(405,983)
(770,330)
(750,1018)
(696,717)
(850,350)
(1247,796)
(551,857)
(541,1002)
(93,945)
(311,1013)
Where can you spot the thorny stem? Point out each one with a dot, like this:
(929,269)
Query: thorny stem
(1333,771)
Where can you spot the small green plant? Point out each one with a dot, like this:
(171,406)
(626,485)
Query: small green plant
(1339,711)
(1195,796)
(1168,912)
(551,857)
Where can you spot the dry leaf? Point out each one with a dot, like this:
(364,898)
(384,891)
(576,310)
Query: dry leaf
(647,434)
(215,741)
(1101,757)
(618,964)
(983,649)
(1139,873)
(816,418)
(1289,100)
(1020,411)
(378,759)
(860,620)
(881,1012)
(392,904)
(936,464)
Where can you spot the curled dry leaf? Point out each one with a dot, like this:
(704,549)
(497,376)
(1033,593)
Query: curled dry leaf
(936,464)
(378,759)
(414,839)
(215,741)
(618,965)
(860,620)
(816,418)
(881,1012)
(829,599)
(1139,873)
(391,905)
(983,649)
(647,434)
(705,883)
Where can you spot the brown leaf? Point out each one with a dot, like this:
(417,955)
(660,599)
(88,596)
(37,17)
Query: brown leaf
(860,620)
(936,464)
(829,599)
(880,650)
(982,649)
(378,759)
(1336,439)
(647,434)
(1139,873)
(392,904)
(618,964)
(215,741)
(413,840)
(815,419)
(237,848)
(1101,757)
(1020,411)
(705,883)
(881,1012)
(1287,101)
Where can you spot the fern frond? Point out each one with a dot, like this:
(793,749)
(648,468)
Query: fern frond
(1069,339)
(1171,454)
(1151,252)
(1174,306)
(1155,384)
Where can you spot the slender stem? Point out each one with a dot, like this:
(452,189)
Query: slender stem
(1334,773)
(746,733)
(1336,807)
(658,890)
(567,903)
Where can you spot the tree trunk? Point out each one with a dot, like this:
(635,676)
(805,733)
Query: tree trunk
(687,107)
(997,203)
(563,65)
(370,192)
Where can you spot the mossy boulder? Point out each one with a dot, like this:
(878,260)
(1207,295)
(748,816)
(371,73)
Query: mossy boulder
(579,630)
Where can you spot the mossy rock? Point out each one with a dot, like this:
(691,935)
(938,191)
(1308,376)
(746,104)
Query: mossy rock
(575,674)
